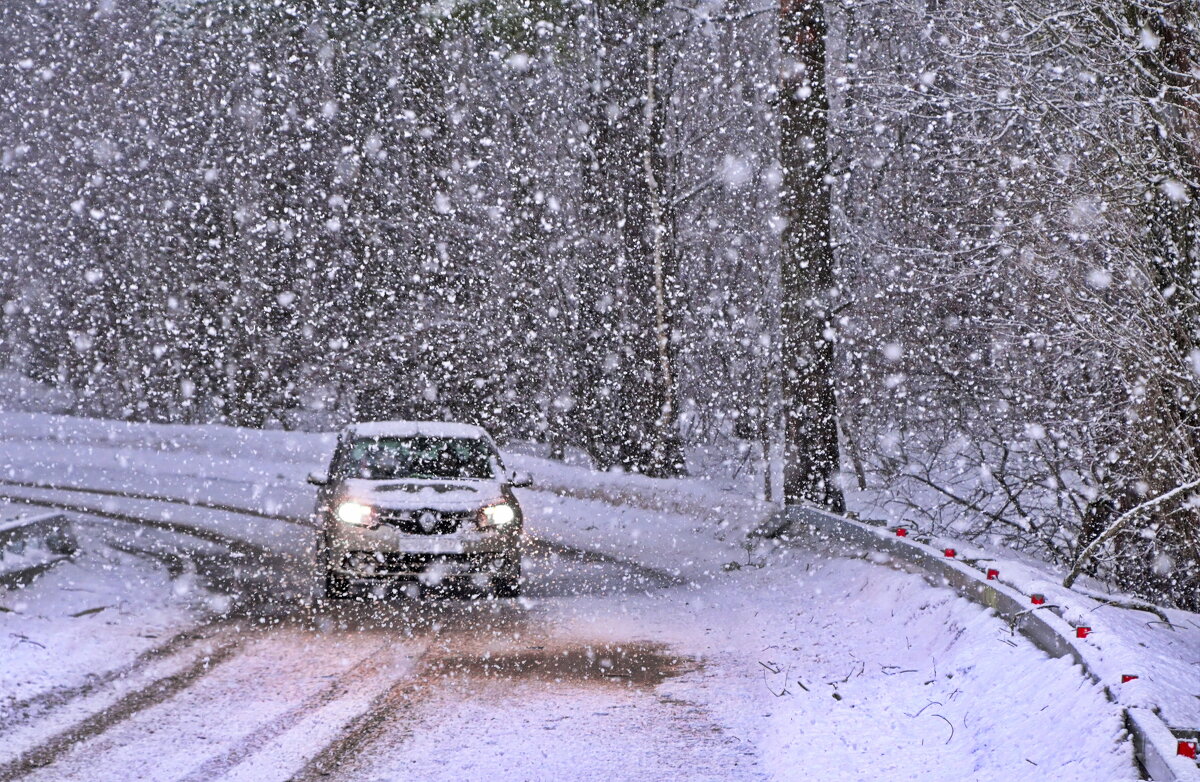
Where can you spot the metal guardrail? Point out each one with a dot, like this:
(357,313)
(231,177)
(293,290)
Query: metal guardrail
(31,543)
(1155,744)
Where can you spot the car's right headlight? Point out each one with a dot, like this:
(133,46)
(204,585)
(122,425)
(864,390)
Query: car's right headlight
(356,514)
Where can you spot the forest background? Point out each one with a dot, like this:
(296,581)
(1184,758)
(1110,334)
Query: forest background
(576,222)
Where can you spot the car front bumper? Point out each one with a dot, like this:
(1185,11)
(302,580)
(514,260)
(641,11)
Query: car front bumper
(433,568)
(361,553)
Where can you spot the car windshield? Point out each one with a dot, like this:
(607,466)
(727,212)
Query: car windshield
(389,458)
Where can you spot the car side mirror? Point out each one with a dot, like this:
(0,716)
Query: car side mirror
(519,479)
(318,478)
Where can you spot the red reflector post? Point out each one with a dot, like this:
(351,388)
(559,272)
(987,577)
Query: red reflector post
(1038,600)
(993,574)
(950,552)
(1187,749)
(1128,677)
(901,532)
(1082,632)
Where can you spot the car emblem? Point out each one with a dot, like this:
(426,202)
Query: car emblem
(428,520)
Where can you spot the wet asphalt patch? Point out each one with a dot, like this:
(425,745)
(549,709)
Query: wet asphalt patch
(637,663)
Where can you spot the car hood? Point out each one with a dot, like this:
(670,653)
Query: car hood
(407,494)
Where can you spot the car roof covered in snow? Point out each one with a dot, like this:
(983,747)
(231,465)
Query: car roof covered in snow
(418,429)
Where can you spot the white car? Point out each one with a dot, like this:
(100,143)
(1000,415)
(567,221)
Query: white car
(418,501)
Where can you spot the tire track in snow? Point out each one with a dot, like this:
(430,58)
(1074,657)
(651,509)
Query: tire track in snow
(375,650)
(349,686)
(401,696)
(293,735)
(20,714)
(42,711)
(470,673)
(396,712)
(48,751)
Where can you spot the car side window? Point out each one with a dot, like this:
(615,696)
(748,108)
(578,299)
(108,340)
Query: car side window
(337,465)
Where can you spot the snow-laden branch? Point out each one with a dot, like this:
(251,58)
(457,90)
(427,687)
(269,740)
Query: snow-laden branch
(1090,550)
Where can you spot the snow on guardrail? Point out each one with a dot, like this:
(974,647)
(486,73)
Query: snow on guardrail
(32,542)
(1166,754)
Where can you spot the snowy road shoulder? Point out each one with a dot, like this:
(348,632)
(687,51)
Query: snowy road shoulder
(87,618)
(863,672)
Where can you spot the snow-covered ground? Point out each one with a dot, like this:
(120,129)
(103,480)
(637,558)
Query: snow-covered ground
(108,601)
(651,643)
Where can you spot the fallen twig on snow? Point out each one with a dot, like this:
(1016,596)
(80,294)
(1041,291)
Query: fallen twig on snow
(948,722)
(88,612)
(923,708)
(884,670)
(1132,606)
(1168,624)
(24,639)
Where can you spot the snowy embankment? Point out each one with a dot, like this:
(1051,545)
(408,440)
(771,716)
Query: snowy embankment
(1166,749)
(873,674)
(1124,637)
(1127,640)
(99,611)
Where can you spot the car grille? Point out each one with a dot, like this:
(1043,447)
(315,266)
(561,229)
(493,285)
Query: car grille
(435,522)
(378,563)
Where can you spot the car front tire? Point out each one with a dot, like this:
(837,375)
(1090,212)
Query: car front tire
(337,587)
(507,582)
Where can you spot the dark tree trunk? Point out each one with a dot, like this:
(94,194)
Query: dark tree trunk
(810,415)
(628,276)
(1172,234)
(667,445)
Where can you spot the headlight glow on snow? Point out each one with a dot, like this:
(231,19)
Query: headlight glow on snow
(355,513)
(499,515)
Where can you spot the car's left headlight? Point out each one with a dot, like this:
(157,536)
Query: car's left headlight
(497,516)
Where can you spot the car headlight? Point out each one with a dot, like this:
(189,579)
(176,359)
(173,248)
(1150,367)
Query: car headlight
(357,514)
(499,515)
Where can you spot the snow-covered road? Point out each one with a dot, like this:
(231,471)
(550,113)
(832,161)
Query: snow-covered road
(203,661)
